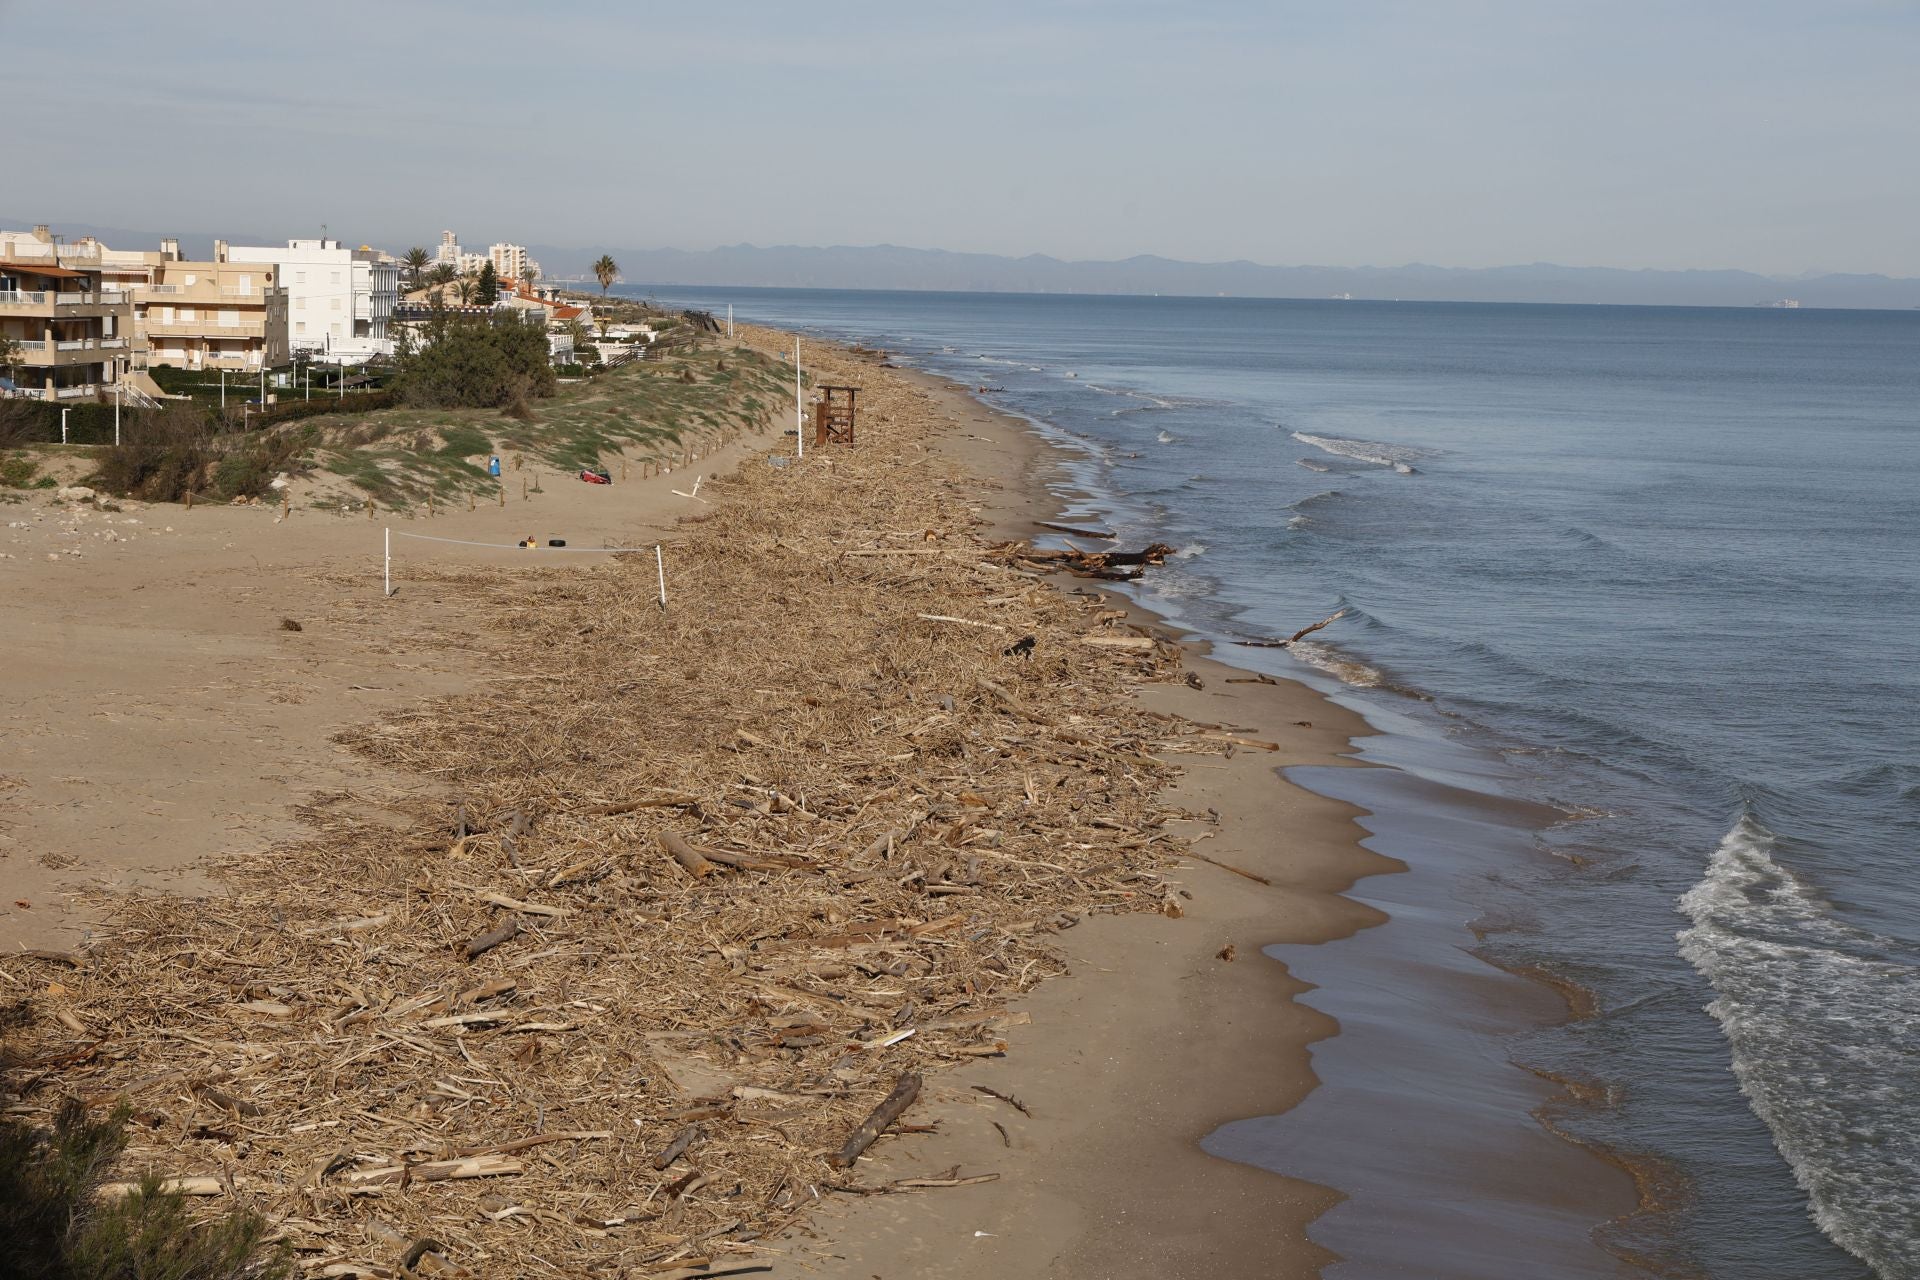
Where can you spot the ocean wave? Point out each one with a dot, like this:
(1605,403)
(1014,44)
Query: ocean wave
(1820,1018)
(1346,669)
(1191,550)
(1398,457)
(1167,437)
(1311,465)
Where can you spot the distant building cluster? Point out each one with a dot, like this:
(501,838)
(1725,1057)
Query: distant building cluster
(510,261)
(78,318)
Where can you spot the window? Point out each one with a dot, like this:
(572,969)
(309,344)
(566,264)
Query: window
(192,280)
(246,284)
(229,319)
(336,304)
(300,303)
(299,326)
(336,277)
(299,277)
(188,314)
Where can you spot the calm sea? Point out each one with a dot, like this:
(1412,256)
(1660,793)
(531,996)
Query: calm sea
(1657,567)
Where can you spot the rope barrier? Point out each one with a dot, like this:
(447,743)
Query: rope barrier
(508,546)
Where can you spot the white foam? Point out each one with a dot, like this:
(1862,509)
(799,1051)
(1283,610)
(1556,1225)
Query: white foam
(1820,1017)
(1397,456)
(1343,668)
(1166,437)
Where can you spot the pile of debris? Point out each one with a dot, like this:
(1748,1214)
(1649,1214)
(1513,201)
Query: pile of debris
(692,900)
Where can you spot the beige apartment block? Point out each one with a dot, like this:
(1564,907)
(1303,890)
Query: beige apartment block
(71,332)
(203,315)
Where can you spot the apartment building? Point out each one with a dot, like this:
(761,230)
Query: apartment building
(201,315)
(448,254)
(340,301)
(510,261)
(72,333)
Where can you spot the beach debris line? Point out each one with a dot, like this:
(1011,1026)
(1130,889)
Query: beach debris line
(1111,566)
(676,888)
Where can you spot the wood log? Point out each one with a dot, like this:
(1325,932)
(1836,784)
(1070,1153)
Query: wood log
(436,1171)
(1329,620)
(1077,532)
(690,858)
(514,904)
(651,802)
(677,1148)
(494,937)
(195,1186)
(905,1090)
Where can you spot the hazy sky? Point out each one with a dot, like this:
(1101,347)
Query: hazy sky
(1774,136)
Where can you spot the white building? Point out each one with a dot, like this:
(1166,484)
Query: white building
(339,300)
(510,261)
(448,255)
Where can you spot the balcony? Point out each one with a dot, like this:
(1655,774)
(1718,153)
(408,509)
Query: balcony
(61,355)
(203,328)
(42,302)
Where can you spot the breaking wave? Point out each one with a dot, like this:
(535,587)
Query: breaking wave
(1820,1017)
(1396,456)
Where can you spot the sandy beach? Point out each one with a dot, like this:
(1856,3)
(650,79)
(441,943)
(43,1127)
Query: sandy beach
(253,860)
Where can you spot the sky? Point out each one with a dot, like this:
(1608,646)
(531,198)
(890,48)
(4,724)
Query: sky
(1770,136)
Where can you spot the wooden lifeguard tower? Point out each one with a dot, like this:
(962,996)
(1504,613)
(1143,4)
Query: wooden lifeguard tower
(833,415)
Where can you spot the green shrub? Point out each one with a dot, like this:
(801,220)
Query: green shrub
(474,363)
(57,1226)
(17,472)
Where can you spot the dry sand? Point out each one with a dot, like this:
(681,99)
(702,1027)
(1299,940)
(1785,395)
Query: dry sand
(156,711)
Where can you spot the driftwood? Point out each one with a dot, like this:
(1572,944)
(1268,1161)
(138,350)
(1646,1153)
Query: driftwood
(494,937)
(1112,566)
(686,855)
(436,1171)
(677,1148)
(904,1092)
(1077,532)
(197,1186)
(1226,866)
(1304,631)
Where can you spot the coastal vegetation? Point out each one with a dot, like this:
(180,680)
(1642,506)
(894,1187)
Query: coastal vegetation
(62,1220)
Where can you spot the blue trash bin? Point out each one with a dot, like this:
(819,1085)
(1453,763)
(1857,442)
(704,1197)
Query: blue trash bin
(493,466)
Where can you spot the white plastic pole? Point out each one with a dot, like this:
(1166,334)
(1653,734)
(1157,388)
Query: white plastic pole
(799,415)
(63,425)
(116,415)
(223,388)
(387,584)
(660,563)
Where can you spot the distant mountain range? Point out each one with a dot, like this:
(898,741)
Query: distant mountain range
(893,267)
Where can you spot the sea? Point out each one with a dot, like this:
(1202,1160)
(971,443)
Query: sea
(1656,570)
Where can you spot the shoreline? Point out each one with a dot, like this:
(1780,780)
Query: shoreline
(1611,1187)
(1164,1019)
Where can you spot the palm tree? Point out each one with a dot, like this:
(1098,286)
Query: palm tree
(416,261)
(442,274)
(466,288)
(9,352)
(606,270)
(528,275)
